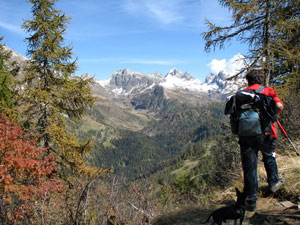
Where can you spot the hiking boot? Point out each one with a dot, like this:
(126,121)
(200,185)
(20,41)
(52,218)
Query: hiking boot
(250,205)
(278,185)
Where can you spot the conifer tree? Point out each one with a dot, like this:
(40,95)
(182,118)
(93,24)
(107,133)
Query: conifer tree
(268,27)
(286,48)
(7,84)
(51,92)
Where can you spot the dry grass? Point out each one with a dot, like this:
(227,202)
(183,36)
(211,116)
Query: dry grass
(288,167)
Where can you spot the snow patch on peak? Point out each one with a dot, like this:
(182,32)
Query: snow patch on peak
(175,82)
(85,76)
(177,73)
(174,72)
(157,77)
(103,83)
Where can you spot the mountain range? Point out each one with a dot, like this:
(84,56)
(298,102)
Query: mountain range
(127,82)
(139,121)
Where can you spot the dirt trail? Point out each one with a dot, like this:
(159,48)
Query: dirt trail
(272,209)
(269,212)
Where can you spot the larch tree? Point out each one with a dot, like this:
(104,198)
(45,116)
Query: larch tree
(51,93)
(269,27)
(7,83)
(286,49)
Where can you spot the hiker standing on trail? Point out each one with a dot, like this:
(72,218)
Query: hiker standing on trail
(250,145)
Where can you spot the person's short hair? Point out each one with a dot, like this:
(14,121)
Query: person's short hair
(255,76)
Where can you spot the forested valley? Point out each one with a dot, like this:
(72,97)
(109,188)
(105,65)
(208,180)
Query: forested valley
(140,155)
(56,169)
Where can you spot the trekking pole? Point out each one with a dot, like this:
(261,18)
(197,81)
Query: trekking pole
(287,136)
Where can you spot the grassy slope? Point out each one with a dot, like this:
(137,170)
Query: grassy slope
(268,207)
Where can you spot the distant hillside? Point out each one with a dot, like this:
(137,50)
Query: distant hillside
(141,153)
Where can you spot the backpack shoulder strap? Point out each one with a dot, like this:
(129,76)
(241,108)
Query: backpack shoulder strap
(260,88)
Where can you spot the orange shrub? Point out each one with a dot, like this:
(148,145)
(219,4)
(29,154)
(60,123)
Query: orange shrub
(26,174)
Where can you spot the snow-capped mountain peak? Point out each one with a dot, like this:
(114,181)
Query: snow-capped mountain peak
(175,79)
(174,72)
(177,73)
(157,77)
(126,82)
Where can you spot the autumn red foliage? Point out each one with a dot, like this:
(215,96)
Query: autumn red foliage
(26,174)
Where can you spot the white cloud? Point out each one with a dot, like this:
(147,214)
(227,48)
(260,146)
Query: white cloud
(165,12)
(236,63)
(186,13)
(12,28)
(132,6)
(217,65)
(231,66)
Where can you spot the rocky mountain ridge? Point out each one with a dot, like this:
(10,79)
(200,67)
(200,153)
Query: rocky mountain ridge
(127,82)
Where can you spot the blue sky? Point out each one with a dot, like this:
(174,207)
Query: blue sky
(142,35)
